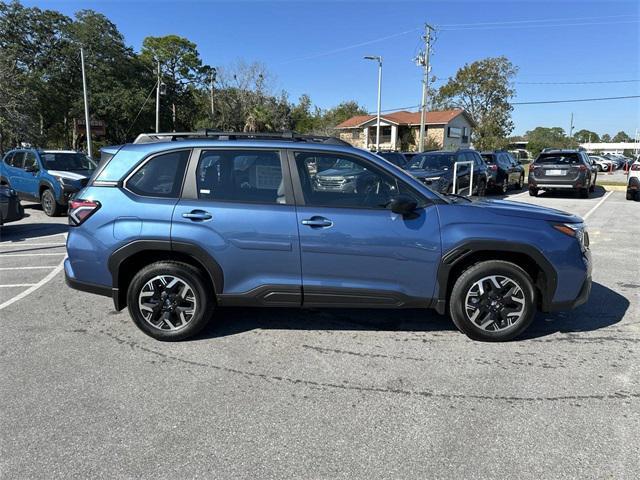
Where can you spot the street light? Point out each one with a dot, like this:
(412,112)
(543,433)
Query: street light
(378,59)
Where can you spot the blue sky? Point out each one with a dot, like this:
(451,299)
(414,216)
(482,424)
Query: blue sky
(307,46)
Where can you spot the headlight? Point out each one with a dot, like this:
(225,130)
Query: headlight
(64,181)
(576,230)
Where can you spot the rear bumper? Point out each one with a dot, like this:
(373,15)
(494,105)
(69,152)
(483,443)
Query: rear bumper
(11,210)
(561,183)
(76,284)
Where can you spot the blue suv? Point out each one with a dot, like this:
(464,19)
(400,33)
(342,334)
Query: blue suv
(176,225)
(49,177)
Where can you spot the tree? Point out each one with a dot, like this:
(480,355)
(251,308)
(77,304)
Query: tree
(543,137)
(586,136)
(606,138)
(622,137)
(181,68)
(484,89)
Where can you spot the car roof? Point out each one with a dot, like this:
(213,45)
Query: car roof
(150,148)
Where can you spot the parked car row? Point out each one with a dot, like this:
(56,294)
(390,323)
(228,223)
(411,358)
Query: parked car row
(462,170)
(49,177)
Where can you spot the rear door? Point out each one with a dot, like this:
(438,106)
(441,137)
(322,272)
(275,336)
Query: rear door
(354,250)
(237,205)
(31,175)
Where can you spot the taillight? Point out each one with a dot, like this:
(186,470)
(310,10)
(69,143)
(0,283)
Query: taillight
(582,168)
(493,167)
(635,166)
(80,210)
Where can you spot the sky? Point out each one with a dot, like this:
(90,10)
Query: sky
(562,48)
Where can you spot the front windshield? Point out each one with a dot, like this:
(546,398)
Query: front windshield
(344,164)
(435,161)
(67,161)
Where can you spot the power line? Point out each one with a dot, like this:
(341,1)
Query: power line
(578,83)
(541,25)
(541,102)
(140,111)
(511,22)
(575,100)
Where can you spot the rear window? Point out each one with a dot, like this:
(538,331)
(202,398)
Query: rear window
(559,159)
(161,176)
(432,160)
(488,158)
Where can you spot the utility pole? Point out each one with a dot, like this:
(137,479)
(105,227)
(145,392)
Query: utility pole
(213,79)
(378,59)
(422,60)
(158,100)
(86,104)
(571,126)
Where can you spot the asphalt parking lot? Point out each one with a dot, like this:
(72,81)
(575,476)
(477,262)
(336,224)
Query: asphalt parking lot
(278,393)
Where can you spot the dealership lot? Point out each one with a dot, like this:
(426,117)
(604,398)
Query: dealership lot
(319,394)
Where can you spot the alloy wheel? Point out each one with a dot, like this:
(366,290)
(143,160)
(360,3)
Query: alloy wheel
(167,302)
(495,303)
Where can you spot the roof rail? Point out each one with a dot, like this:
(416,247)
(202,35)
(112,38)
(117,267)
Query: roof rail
(218,135)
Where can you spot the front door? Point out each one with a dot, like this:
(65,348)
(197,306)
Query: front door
(237,205)
(354,250)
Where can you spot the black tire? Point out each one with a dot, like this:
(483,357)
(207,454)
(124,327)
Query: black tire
(504,187)
(521,182)
(583,193)
(465,283)
(49,204)
(482,188)
(630,195)
(533,192)
(203,301)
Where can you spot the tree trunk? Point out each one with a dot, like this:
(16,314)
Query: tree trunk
(173,115)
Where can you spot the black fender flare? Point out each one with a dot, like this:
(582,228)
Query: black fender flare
(462,251)
(4,181)
(48,184)
(116,259)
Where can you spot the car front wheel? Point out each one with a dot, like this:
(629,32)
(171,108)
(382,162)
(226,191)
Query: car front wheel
(170,301)
(493,301)
(49,204)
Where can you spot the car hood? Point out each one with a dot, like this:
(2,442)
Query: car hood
(526,210)
(427,173)
(339,172)
(69,175)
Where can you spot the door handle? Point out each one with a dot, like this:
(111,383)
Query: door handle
(197,215)
(317,222)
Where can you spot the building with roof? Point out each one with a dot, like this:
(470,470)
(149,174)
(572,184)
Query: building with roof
(448,129)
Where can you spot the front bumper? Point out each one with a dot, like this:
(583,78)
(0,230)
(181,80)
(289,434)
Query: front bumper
(583,293)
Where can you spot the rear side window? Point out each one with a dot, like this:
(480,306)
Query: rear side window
(253,176)
(17,160)
(8,158)
(161,176)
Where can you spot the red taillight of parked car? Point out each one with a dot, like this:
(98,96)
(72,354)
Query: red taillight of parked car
(80,210)
(635,166)
(493,167)
(582,168)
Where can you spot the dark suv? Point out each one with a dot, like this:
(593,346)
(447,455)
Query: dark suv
(504,171)
(435,169)
(182,225)
(562,170)
(397,158)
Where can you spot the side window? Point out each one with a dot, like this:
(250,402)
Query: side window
(30,160)
(253,176)
(8,159)
(18,160)
(478,159)
(161,176)
(335,180)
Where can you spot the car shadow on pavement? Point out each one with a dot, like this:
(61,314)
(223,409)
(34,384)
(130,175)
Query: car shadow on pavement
(598,192)
(230,321)
(604,308)
(30,231)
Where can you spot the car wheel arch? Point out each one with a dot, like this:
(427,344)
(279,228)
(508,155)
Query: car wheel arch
(130,258)
(463,256)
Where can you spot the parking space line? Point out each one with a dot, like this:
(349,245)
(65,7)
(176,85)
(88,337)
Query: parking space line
(34,287)
(20,244)
(18,285)
(586,215)
(9,254)
(28,268)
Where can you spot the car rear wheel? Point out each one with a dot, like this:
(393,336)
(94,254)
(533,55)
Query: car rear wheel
(482,188)
(521,182)
(493,301)
(533,192)
(584,192)
(504,186)
(49,204)
(170,301)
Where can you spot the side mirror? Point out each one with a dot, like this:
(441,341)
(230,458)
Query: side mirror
(403,205)
(31,168)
